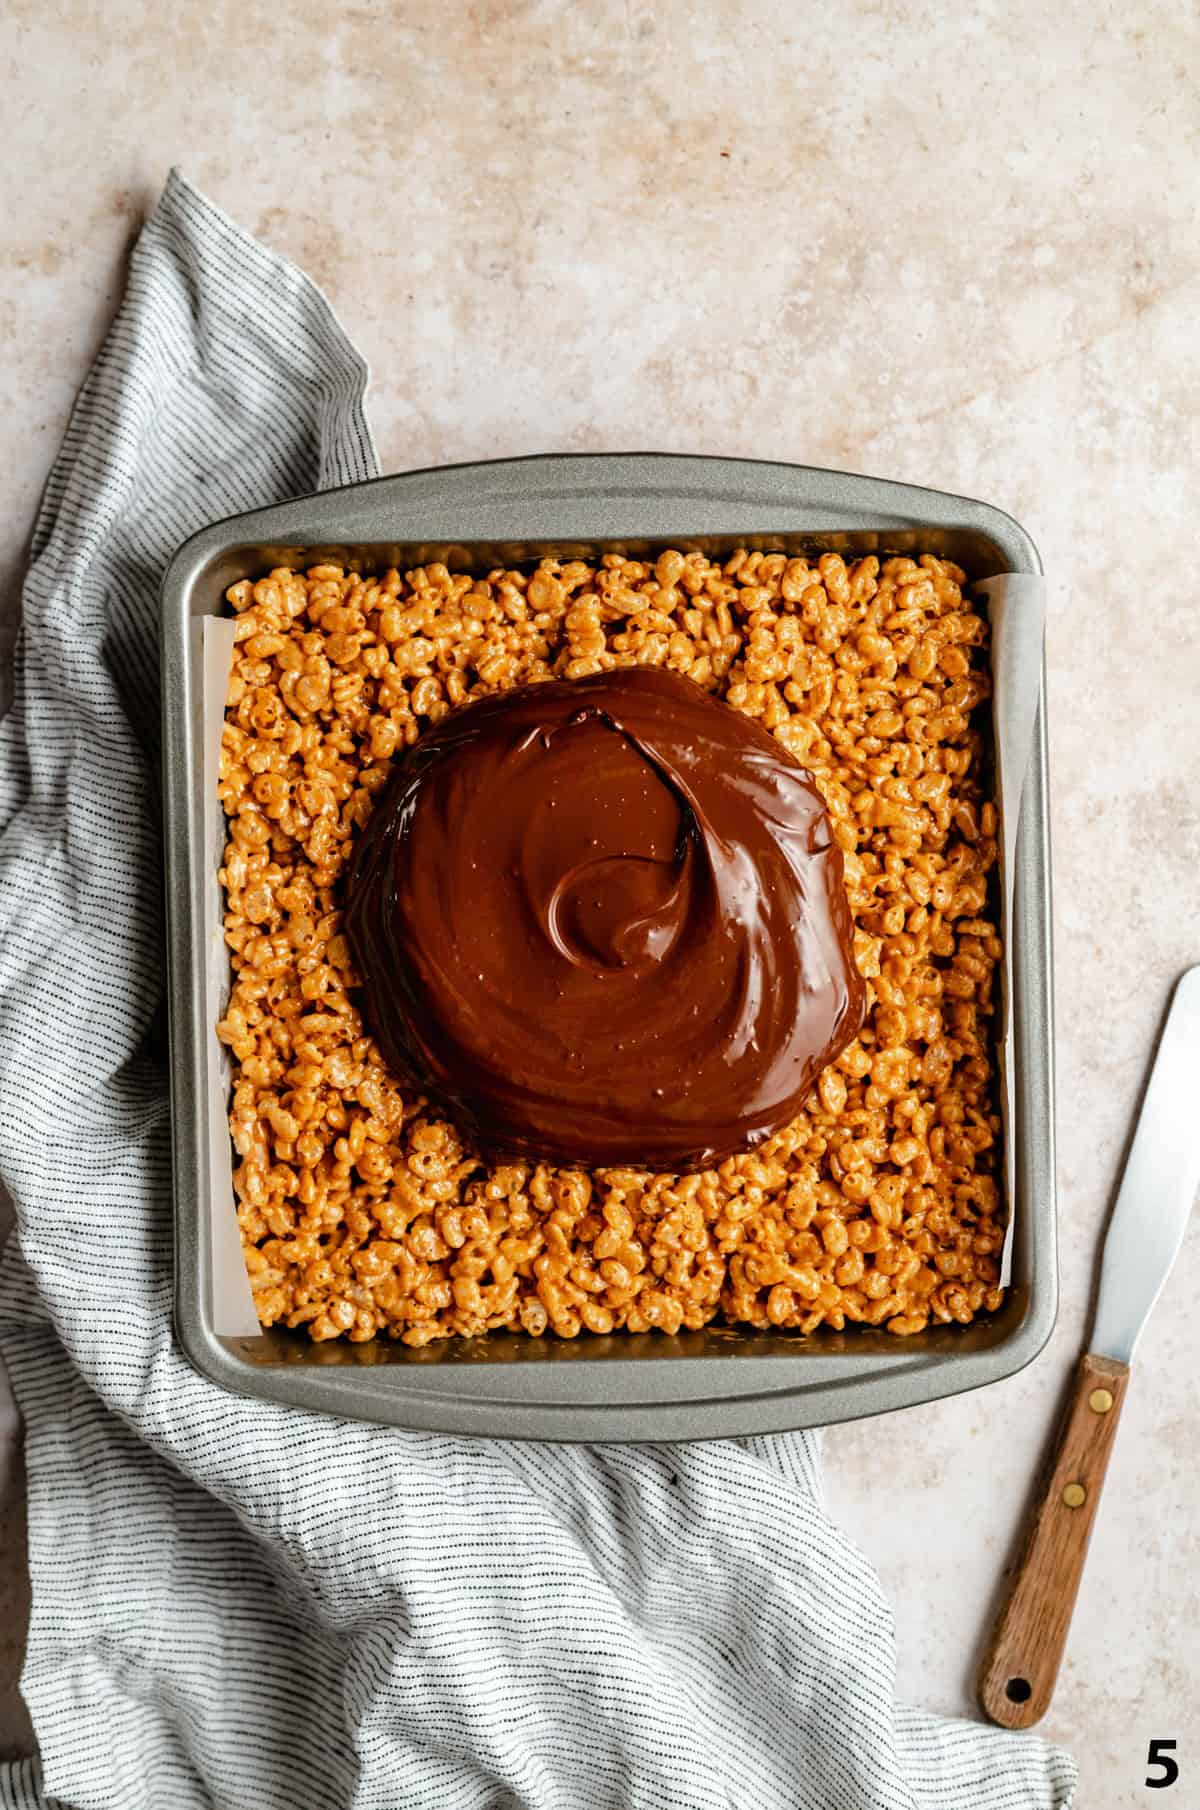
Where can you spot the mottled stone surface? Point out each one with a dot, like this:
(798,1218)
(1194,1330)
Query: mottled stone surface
(956,246)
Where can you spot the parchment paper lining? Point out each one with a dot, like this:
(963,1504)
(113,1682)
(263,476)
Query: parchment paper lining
(1016,607)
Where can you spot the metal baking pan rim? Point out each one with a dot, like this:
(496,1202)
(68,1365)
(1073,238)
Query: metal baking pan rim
(676,1396)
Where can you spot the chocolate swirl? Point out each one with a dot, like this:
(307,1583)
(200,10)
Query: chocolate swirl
(603,922)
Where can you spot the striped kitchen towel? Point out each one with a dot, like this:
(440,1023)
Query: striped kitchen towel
(234,1603)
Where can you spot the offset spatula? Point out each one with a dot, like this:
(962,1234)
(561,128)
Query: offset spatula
(1162,1172)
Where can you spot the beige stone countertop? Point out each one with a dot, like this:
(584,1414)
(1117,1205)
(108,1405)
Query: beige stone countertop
(951,245)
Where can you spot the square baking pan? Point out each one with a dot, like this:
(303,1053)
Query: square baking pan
(724,1380)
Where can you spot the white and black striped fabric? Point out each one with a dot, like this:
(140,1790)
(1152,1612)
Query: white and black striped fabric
(242,1606)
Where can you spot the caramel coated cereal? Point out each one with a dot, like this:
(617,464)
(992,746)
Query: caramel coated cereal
(363,1213)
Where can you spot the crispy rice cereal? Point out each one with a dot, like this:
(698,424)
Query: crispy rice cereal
(363,1213)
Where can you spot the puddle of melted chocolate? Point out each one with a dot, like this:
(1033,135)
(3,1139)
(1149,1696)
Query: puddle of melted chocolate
(603,922)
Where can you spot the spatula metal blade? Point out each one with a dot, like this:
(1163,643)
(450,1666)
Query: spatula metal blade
(1162,1173)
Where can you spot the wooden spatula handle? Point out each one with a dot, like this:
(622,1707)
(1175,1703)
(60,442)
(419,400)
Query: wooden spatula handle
(1016,1680)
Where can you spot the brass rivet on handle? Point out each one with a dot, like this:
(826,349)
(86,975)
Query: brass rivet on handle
(1100,1401)
(1074,1495)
